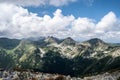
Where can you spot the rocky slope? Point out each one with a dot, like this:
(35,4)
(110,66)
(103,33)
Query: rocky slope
(29,75)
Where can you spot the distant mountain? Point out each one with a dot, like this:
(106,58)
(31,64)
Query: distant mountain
(63,56)
(34,38)
(8,43)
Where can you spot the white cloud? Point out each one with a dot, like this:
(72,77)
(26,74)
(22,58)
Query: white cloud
(88,2)
(17,22)
(25,2)
(107,23)
(83,25)
(38,2)
(60,2)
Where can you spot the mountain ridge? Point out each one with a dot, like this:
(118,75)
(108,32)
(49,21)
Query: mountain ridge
(66,55)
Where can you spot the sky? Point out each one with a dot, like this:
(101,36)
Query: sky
(79,19)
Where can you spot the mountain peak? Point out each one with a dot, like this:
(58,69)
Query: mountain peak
(51,39)
(68,41)
(95,40)
(69,38)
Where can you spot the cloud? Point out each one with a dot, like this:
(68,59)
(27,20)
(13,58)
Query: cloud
(60,2)
(38,2)
(107,23)
(83,25)
(88,2)
(18,22)
(109,27)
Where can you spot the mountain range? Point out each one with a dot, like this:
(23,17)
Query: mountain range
(63,56)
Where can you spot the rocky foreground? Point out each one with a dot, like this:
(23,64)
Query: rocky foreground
(28,75)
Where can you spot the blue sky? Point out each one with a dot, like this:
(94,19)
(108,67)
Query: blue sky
(79,19)
(94,9)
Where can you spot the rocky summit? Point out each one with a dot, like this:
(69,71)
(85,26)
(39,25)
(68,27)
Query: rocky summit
(61,56)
